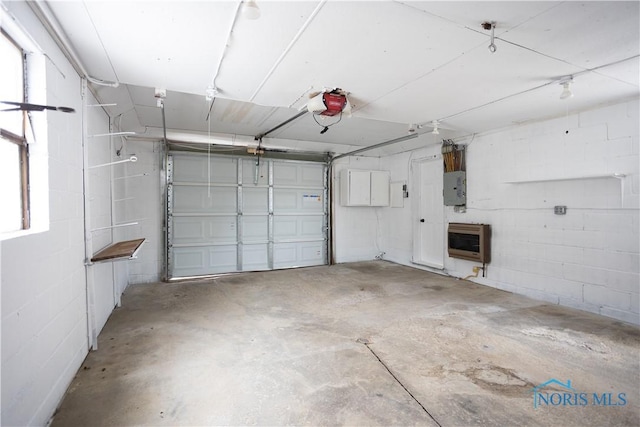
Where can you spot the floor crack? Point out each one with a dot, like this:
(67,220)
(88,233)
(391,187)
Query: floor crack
(366,343)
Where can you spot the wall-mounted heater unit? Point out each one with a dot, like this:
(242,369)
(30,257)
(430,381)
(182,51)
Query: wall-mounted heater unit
(470,241)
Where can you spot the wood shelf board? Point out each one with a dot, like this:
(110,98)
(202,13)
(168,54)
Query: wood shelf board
(124,249)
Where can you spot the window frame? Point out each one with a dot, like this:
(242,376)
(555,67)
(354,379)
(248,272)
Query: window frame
(21,141)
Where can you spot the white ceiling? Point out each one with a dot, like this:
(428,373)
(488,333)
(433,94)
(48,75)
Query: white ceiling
(402,62)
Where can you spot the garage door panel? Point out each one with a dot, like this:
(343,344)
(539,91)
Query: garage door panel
(255,200)
(198,261)
(312,175)
(302,254)
(284,254)
(188,229)
(255,257)
(223,258)
(285,228)
(285,174)
(249,173)
(311,252)
(224,223)
(286,200)
(298,175)
(193,168)
(311,226)
(188,199)
(215,230)
(298,227)
(255,229)
(190,258)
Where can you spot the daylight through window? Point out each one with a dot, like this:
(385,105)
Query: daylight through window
(14,187)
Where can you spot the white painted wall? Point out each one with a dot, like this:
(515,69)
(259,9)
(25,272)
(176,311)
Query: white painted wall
(588,258)
(361,233)
(139,198)
(356,229)
(42,279)
(99,192)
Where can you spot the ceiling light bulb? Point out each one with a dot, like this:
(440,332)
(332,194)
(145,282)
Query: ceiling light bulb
(250,9)
(435,131)
(566,87)
(566,92)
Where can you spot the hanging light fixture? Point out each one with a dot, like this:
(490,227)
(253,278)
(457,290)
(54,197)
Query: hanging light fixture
(250,9)
(491,25)
(435,127)
(566,87)
(210,93)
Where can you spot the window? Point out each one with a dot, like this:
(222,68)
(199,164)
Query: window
(14,155)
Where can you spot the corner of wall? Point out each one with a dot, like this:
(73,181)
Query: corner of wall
(587,259)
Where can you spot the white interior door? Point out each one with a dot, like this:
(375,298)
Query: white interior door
(428,212)
(227,214)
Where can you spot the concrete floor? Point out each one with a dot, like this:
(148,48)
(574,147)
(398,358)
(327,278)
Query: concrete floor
(368,343)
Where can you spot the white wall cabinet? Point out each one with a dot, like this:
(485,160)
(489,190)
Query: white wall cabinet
(380,188)
(364,188)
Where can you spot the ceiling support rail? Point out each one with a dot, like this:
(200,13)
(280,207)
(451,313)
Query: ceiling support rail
(286,122)
(372,147)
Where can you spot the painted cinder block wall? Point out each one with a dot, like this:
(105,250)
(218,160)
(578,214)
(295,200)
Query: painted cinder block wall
(138,199)
(44,329)
(356,229)
(587,259)
(100,152)
(43,282)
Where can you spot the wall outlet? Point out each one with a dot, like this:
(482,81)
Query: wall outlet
(560,210)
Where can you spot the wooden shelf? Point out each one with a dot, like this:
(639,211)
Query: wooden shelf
(124,249)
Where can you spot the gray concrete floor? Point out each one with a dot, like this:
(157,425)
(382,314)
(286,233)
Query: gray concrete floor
(368,343)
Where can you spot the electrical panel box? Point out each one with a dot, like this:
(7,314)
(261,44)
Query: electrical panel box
(455,188)
(364,188)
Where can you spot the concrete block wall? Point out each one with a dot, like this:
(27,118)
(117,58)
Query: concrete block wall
(587,259)
(118,183)
(139,196)
(356,228)
(42,275)
(100,152)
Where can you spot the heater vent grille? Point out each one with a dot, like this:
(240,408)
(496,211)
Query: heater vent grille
(470,241)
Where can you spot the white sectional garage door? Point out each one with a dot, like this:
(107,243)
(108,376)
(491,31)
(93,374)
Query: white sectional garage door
(227,215)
